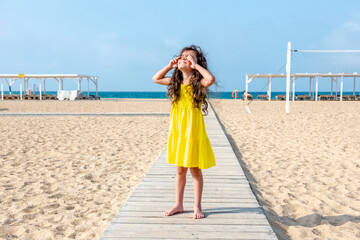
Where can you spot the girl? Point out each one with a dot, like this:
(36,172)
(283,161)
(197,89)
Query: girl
(188,143)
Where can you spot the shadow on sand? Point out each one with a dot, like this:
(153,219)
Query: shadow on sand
(280,223)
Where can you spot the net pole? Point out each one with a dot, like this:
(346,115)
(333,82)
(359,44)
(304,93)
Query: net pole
(288,62)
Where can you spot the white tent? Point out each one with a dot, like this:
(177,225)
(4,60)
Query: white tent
(312,76)
(24,80)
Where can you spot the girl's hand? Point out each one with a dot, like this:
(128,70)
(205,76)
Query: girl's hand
(192,61)
(174,62)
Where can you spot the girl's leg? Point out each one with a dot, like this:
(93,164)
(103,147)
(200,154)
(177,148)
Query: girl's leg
(179,189)
(198,188)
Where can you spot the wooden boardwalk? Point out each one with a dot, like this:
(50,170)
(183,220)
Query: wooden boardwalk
(231,210)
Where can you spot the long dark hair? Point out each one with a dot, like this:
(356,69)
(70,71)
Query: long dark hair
(199,98)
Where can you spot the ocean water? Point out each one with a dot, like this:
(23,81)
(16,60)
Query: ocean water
(162,95)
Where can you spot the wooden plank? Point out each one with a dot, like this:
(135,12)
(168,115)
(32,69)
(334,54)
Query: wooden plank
(132,225)
(209,181)
(169,176)
(190,194)
(169,234)
(155,206)
(243,213)
(206,192)
(231,210)
(166,185)
(191,199)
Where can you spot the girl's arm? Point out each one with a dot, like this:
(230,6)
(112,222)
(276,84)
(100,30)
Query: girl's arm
(208,79)
(160,78)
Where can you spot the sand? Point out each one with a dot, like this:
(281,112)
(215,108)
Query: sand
(67,177)
(304,167)
(104,105)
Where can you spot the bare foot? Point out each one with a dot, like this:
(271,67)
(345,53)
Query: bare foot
(176,209)
(198,213)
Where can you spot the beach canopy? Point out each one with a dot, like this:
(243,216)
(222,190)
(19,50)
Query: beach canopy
(24,80)
(312,76)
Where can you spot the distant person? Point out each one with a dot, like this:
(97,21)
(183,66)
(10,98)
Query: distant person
(249,96)
(188,143)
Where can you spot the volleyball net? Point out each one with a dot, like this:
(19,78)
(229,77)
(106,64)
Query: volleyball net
(325,61)
(314,65)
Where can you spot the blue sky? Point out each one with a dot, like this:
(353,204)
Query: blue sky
(126,42)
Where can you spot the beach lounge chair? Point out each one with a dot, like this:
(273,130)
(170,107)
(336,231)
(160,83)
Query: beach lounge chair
(326,97)
(303,97)
(13,97)
(249,97)
(263,97)
(48,97)
(351,97)
(344,97)
(281,97)
(97,97)
(84,97)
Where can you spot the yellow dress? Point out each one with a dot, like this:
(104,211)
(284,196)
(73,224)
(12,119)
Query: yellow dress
(188,143)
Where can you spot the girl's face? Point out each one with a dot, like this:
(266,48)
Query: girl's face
(184,63)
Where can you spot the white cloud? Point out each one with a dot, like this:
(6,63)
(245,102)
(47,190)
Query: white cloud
(347,36)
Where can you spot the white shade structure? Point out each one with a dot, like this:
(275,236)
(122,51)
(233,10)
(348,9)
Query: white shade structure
(315,65)
(312,76)
(10,79)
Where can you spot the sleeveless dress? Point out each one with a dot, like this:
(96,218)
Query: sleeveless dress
(188,143)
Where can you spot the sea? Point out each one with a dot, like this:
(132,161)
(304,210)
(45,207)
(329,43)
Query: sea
(162,95)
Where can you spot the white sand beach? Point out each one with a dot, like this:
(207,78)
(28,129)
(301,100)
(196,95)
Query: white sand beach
(303,167)
(104,105)
(66,177)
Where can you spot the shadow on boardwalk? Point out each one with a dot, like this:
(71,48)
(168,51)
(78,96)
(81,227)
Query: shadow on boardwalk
(281,223)
(274,219)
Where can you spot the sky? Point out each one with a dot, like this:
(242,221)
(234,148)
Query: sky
(125,43)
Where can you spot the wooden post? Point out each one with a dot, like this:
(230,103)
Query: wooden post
(20,79)
(246,86)
(316,88)
(288,69)
(293,96)
(341,87)
(354,86)
(40,89)
(2,89)
(332,85)
(336,87)
(96,86)
(269,87)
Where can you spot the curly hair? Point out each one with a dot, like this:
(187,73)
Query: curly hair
(199,98)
